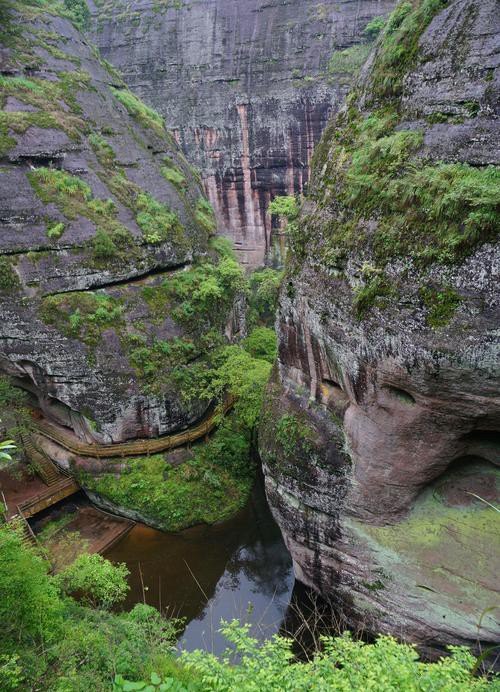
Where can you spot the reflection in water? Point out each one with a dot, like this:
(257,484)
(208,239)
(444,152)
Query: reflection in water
(237,569)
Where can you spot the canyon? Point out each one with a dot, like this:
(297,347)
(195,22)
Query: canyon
(246,88)
(380,433)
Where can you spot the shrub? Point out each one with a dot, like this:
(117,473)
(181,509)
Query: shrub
(285,205)
(343,664)
(263,300)
(374,27)
(97,581)
(8,278)
(30,609)
(157,223)
(261,343)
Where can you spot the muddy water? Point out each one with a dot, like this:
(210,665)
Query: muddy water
(237,569)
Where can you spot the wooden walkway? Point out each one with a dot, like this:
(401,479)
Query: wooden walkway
(136,447)
(54,493)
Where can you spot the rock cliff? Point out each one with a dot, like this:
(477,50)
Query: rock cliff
(247,88)
(381,438)
(106,240)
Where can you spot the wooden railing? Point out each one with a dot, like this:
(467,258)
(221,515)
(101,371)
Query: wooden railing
(64,488)
(136,447)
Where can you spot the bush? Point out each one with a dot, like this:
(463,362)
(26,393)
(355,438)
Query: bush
(261,343)
(97,581)
(343,664)
(285,205)
(30,608)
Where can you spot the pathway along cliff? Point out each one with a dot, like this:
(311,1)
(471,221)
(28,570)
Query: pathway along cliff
(135,447)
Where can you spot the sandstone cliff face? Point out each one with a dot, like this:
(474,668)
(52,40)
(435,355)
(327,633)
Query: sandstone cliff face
(381,439)
(245,87)
(105,234)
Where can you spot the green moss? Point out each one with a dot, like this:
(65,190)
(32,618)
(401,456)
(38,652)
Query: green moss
(210,487)
(293,435)
(366,169)
(373,293)
(441,304)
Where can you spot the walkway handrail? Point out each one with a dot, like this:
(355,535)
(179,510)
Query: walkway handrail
(137,447)
(51,490)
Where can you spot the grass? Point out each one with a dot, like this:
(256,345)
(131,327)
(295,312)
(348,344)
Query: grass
(145,115)
(156,221)
(205,216)
(398,48)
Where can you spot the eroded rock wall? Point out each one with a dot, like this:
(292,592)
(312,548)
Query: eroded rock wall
(102,224)
(245,87)
(381,438)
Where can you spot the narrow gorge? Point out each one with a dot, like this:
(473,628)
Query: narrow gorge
(249,347)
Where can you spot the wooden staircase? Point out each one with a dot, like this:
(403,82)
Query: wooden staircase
(43,465)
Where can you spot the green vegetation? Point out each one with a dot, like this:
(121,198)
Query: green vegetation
(285,205)
(157,223)
(171,173)
(9,281)
(55,229)
(103,150)
(98,583)
(441,304)
(74,198)
(264,285)
(398,48)
(374,27)
(261,343)
(205,216)
(82,315)
(50,641)
(78,12)
(46,96)
(210,486)
(343,664)
(293,435)
(369,176)
(145,115)
(350,60)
